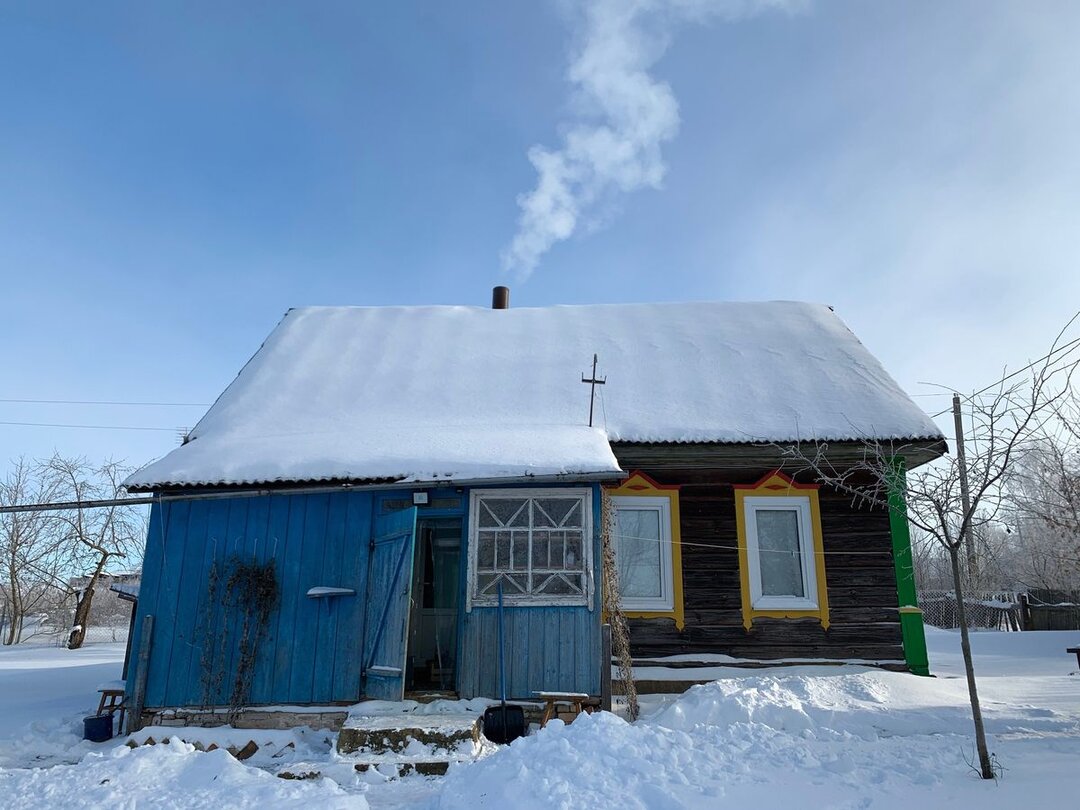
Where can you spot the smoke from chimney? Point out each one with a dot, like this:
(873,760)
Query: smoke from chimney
(626,115)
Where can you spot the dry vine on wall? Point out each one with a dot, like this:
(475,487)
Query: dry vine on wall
(620,631)
(244,602)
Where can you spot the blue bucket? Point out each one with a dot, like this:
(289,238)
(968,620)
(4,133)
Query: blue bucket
(97,728)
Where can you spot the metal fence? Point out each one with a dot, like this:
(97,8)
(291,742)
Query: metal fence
(989,610)
(105,634)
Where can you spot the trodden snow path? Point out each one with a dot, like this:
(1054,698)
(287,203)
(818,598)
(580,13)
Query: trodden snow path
(786,738)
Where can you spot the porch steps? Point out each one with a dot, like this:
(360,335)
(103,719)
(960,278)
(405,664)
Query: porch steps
(408,742)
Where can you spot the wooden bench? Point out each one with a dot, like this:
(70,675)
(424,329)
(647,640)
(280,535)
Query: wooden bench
(576,700)
(1075,650)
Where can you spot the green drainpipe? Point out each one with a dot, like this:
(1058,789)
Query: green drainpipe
(911,617)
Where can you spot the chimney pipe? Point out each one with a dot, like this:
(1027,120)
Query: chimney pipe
(500,298)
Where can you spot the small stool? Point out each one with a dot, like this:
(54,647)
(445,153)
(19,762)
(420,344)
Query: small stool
(574,699)
(112,700)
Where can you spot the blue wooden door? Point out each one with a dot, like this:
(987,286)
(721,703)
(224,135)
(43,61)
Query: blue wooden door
(389,594)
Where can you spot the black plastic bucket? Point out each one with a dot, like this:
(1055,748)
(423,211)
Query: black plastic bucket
(97,728)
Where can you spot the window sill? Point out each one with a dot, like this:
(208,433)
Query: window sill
(578,602)
(782,603)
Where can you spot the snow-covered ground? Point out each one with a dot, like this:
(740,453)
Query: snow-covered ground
(787,738)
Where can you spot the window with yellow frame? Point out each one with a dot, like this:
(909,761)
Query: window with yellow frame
(781,558)
(647,548)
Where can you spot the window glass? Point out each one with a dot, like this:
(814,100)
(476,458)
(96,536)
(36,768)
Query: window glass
(780,552)
(638,551)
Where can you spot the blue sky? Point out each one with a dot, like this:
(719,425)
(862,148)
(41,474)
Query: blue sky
(173,177)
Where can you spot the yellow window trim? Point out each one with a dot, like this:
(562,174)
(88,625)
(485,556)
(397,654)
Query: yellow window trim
(641,485)
(779,485)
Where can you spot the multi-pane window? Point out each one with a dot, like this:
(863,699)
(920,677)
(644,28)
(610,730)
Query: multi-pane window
(780,552)
(535,542)
(643,552)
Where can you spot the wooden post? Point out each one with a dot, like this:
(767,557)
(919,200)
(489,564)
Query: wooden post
(1025,612)
(605,667)
(130,638)
(965,497)
(134,717)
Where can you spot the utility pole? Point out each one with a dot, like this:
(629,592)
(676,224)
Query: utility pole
(965,496)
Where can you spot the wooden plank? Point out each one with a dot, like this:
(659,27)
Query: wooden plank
(567,644)
(327,612)
(261,549)
(591,652)
(537,655)
(235,547)
(146,636)
(305,619)
(183,689)
(487,658)
(151,579)
(277,522)
(552,650)
(176,518)
(349,643)
(290,588)
(206,660)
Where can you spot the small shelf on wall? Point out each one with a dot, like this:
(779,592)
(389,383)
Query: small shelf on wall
(325,591)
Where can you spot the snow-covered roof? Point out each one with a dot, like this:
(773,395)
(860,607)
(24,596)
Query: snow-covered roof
(126,590)
(465,393)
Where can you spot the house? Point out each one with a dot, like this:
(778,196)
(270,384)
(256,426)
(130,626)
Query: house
(338,523)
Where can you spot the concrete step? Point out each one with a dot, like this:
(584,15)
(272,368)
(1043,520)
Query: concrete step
(449,734)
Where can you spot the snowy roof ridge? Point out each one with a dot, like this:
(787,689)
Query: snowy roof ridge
(464,393)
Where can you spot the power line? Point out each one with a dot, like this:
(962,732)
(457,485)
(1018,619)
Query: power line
(106,402)
(87,427)
(1071,344)
(714,546)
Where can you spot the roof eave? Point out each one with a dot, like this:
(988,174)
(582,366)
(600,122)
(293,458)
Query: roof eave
(174,490)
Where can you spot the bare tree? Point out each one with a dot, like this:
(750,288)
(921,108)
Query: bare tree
(31,557)
(95,538)
(1003,424)
(1044,515)
(1046,499)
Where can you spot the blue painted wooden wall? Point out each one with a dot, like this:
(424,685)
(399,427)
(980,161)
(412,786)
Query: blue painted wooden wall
(312,650)
(553,649)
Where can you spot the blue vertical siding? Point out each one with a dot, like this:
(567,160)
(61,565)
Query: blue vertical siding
(312,649)
(549,649)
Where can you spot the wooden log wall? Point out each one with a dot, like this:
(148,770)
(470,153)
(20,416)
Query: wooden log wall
(865,623)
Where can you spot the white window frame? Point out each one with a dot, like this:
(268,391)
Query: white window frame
(518,600)
(666,601)
(800,504)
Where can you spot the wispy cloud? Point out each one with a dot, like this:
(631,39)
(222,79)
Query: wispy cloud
(625,115)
